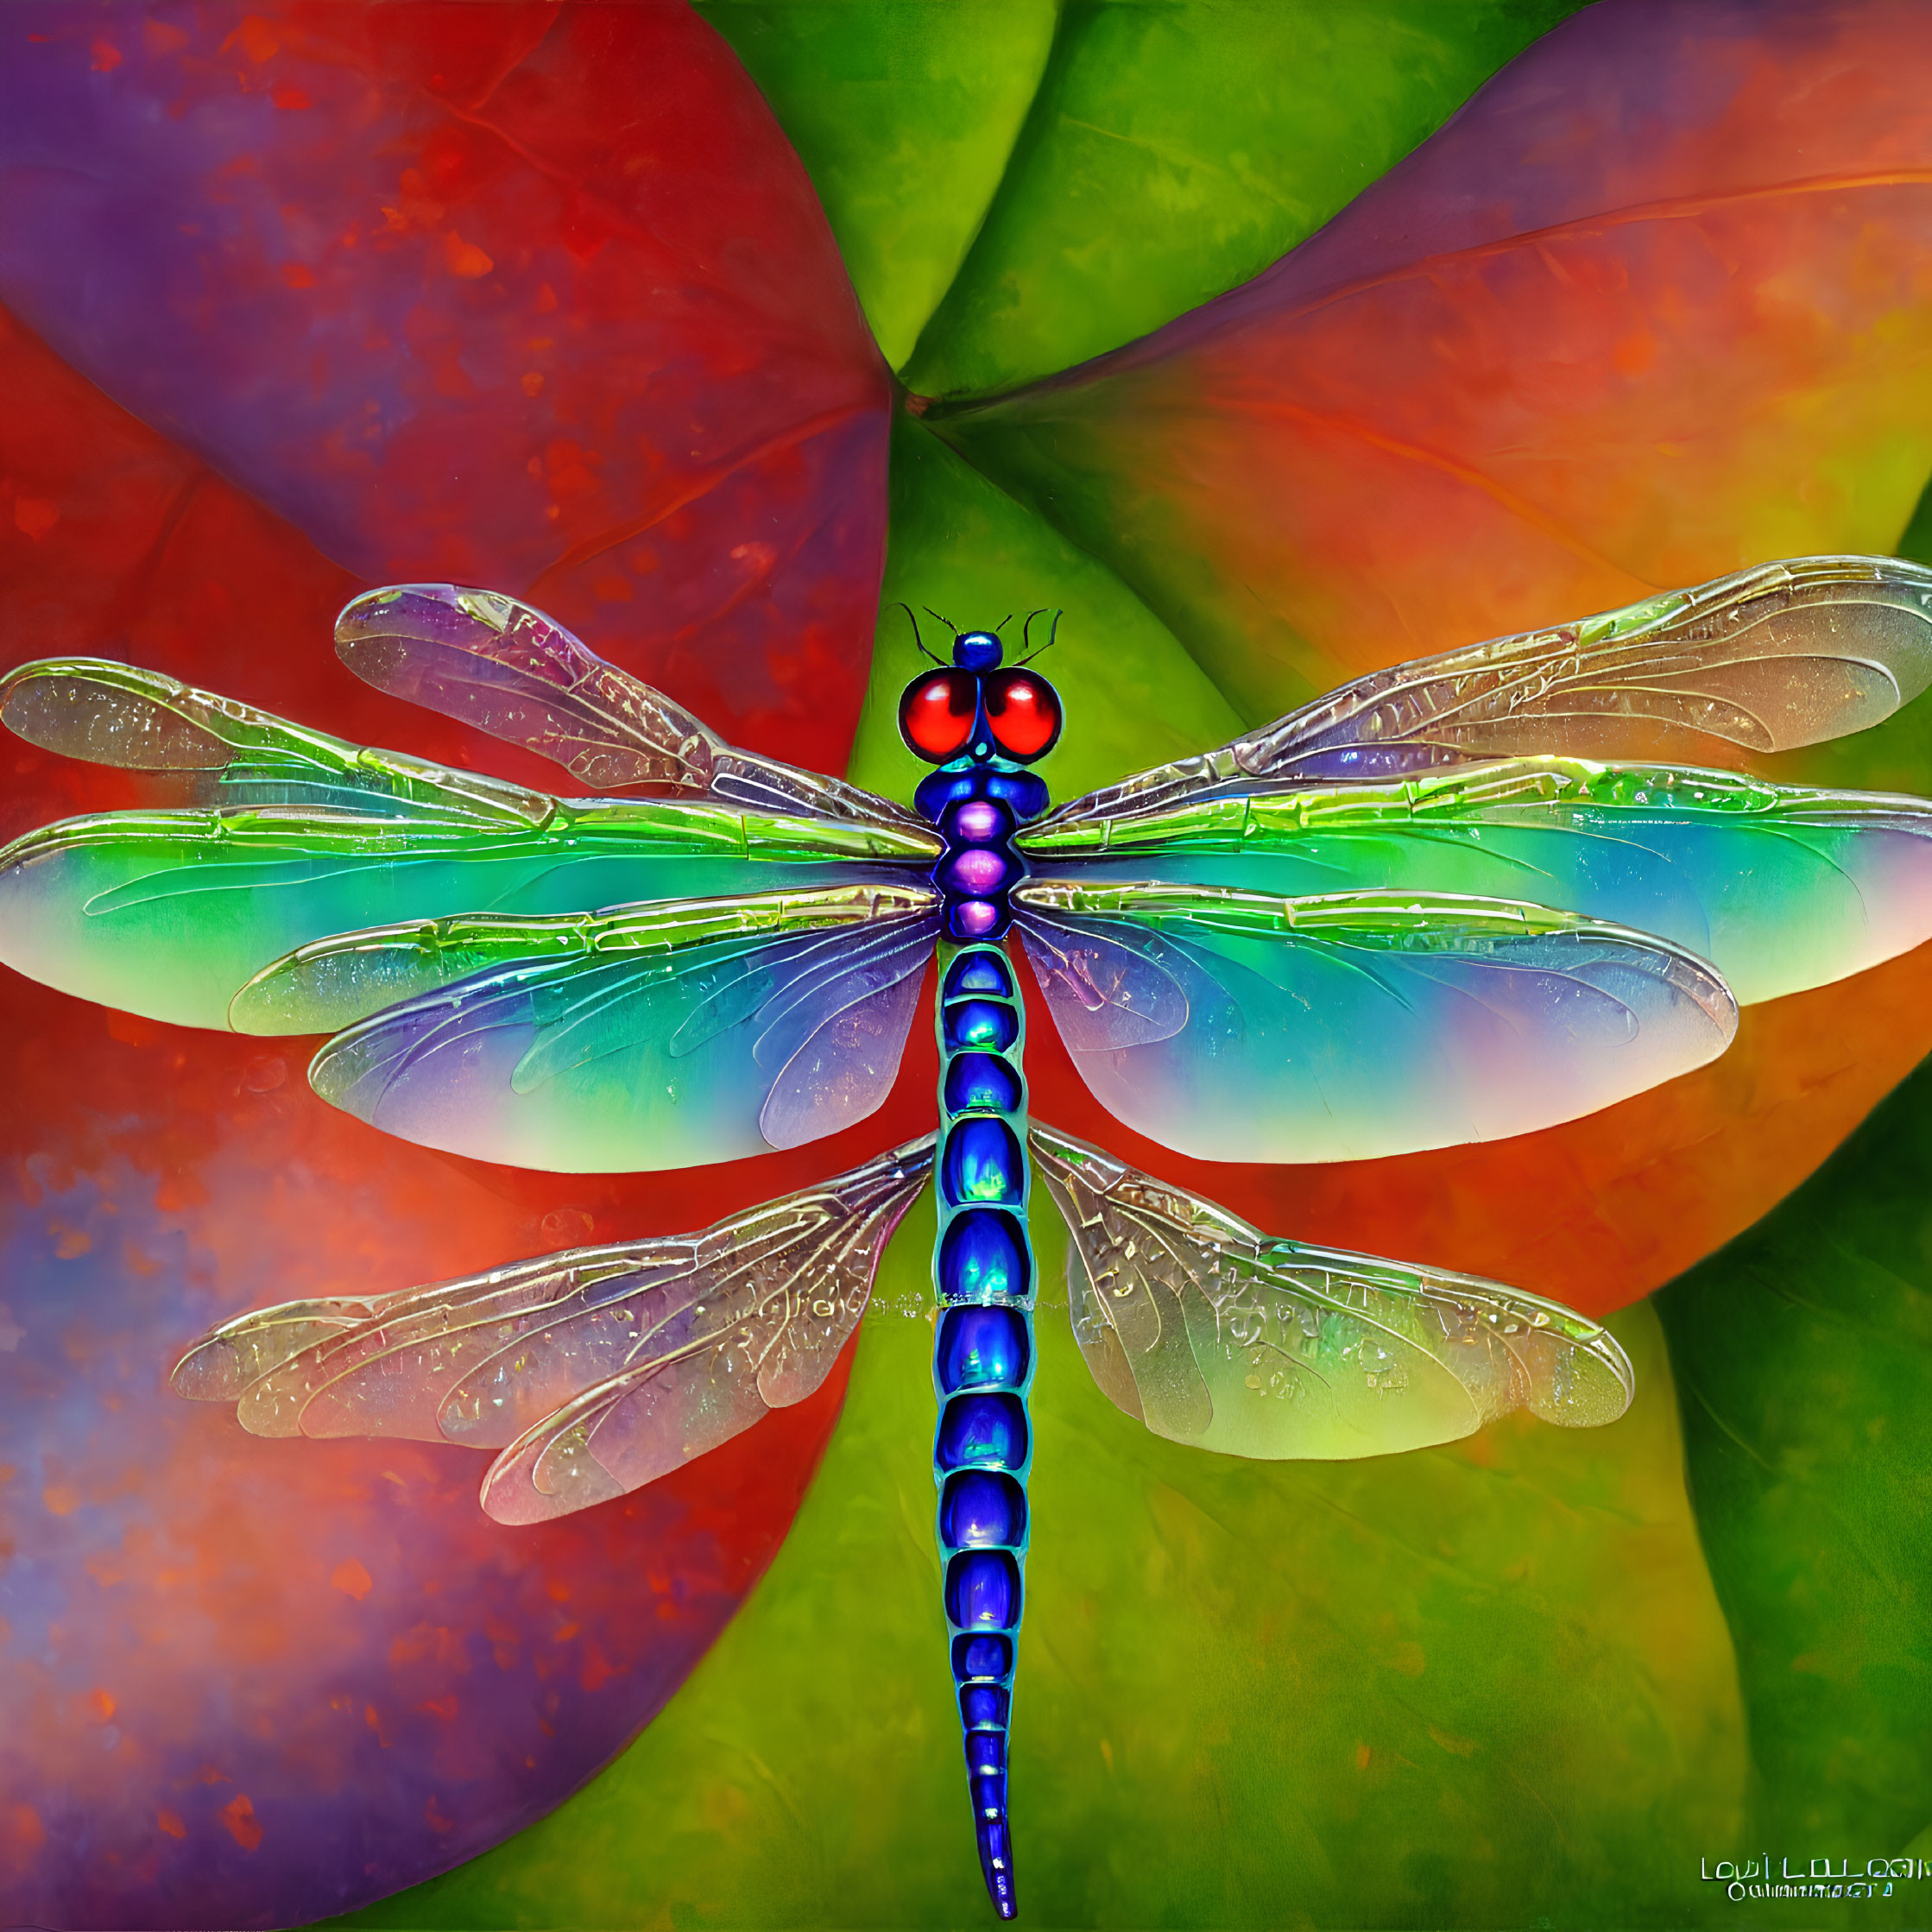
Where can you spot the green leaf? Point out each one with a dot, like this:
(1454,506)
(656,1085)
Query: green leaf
(1176,150)
(1803,1360)
(904,113)
(958,544)
(1486,1684)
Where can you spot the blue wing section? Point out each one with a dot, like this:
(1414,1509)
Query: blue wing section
(1780,888)
(651,1036)
(1235,1026)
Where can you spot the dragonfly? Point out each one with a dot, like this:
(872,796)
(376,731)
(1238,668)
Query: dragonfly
(1470,897)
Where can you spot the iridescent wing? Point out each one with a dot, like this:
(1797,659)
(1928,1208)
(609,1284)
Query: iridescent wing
(293,835)
(650,1036)
(1234,1025)
(594,1371)
(510,671)
(1785,654)
(1214,1334)
(1781,888)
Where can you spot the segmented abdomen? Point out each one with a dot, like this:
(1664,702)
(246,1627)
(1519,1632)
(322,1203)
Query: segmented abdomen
(982,1366)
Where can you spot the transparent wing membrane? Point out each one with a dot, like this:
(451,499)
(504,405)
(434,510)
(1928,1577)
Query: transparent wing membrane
(1234,1025)
(1780,888)
(594,1371)
(228,754)
(1214,1334)
(651,1036)
(510,671)
(1785,654)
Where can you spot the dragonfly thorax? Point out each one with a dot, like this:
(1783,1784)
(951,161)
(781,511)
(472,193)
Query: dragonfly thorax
(977,808)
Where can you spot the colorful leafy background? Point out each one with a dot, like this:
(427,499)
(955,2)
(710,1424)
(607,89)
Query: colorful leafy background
(625,308)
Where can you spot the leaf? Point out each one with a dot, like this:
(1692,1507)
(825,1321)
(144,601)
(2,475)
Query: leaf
(1803,1359)
(1468,1686)
(1174,150)
(956,541)
(444,289)
(1530,374)
(337,1641)
(240,1688)
(904,114)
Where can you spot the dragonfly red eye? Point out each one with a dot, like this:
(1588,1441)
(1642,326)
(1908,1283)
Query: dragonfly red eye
(1024,711)
(936,714)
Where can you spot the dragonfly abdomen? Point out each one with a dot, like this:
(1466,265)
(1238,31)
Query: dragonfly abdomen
(982,1368)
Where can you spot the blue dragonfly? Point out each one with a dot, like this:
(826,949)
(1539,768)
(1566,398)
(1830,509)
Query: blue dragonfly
(1470,897)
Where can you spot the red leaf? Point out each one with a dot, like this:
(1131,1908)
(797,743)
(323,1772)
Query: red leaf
(531,297)
(280,1747)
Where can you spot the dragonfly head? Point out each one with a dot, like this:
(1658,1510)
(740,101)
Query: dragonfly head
(981,709)
(978,650)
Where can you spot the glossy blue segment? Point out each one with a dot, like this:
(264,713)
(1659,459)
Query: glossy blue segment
(976,650)
(981,1656)
(996,1837)
(1023,793)
(982,1257)
(983,1703)
(986,1753)
(983,1589)
(981,1082)
(981,1428)
(980,1026)
(980,1510)
(982,1164)
(989,1795)
(981,1347)
(979,972)
(941,789)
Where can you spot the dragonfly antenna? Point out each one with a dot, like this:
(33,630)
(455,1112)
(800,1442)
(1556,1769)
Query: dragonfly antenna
(1026,632)
(917,639)
(938,619)
(1002,623)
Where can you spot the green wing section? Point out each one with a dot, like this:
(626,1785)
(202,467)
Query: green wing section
(1214,1334)
(1780,888)
(295,835)
(1234,1025)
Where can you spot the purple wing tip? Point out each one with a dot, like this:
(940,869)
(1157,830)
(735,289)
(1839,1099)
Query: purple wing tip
(422,641)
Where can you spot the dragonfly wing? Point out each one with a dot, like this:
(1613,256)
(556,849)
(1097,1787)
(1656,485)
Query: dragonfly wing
(1214,1334)
(1357,1025)
(224,753)
(1780,888)
(297,835)
(1784,654)
(595,1370)
(242,1352)
(650,1036)
(509,670)
(170,913)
